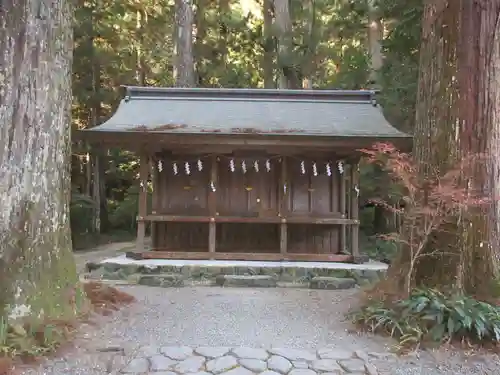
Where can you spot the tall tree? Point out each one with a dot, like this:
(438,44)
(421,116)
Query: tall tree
(288,71)
(37,268)
(458,103)
(183,39)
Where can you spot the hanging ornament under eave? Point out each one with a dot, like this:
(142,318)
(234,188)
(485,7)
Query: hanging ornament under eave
(244,166)
(187,168)
(175,168)
(231,165)
(268,165)
(200,165)
(356,189)
(328,169)
(302,167)
(212,186)
(340,167)
(256,166)
(284,188)
(315,169)
(160,166)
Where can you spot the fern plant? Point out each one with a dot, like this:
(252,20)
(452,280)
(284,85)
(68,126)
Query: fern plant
(429,315)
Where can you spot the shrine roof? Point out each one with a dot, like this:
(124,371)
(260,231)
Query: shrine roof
(331,113)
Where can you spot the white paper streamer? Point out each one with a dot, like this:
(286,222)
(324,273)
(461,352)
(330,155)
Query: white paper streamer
(284,188)
(244,166)
(356,189)
(256,166)
(212,186)
(175,168)
(268,165)
(200,165)
(303,167)
(160,166)
(231,165)
(340,166)
(315,169)
(328,169)
(186,167)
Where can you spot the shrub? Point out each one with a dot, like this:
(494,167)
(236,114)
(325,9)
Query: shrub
(428,315)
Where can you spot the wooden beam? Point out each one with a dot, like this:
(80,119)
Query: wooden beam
(154,199)
(159,254)
(143,201)
(253,220)
(212,205)
(343,210)
(355,209)
(283,205)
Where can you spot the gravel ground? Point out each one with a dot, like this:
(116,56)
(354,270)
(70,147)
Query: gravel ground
(259,318)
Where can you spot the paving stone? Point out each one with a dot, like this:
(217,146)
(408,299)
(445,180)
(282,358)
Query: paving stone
(163,373)
(222,364)
(137,366)
(199,373)
(370,369)
(377,355)
(337,372)
(353,365)
(361,354)
(250,353)
(161,280)
(255,365)
(161,363)
(177,352)
(294,354)
(300,364)
(147,351)
(191,364)
(332,283)
(332,353)
(269,372)
(254,281)
(212,352)
(326,365)
(279,364)
(238,371)
(302,372)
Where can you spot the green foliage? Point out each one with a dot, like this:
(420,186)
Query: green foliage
(431,316)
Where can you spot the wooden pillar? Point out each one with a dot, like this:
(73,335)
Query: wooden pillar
(354,170)
(143,201)
(283,208)
(154,198)
(212,207)
(343,209)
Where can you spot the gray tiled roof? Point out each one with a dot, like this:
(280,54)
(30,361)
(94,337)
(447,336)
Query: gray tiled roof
(230,111)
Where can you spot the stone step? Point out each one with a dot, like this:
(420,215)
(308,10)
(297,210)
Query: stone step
(254,281)
(166,280)
(332,283)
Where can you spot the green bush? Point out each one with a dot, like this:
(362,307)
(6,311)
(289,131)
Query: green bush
(429,315)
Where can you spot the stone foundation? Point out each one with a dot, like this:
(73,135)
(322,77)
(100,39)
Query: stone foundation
(237,274)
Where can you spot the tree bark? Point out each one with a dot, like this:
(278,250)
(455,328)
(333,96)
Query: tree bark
(457,108)
(288,72)
(37,268)
(269,46)
(184,60)
(375,36)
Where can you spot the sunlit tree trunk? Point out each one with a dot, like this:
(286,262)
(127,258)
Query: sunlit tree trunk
(37,268)
(457,111)
(375,36)
(183,39)
(288,73)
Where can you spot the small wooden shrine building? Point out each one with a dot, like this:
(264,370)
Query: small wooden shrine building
(248,174)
